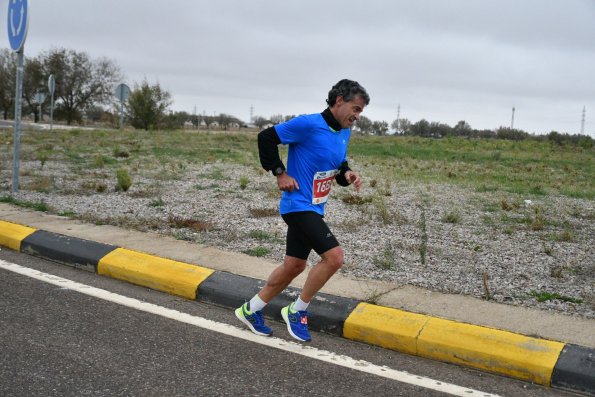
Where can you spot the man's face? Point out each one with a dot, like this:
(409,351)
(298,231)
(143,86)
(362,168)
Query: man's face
(348,113)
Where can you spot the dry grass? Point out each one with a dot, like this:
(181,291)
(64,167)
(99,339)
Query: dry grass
(508,206)
(356,199)
(190,223)
(263,212)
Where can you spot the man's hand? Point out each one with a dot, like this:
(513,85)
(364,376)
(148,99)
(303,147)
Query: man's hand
(353,178)
(286,183)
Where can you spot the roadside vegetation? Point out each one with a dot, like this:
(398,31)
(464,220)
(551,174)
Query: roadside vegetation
(533,167)
(528,167)
(108,160)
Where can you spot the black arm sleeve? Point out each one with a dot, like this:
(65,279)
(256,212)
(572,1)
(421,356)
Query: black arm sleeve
(268,140)
(340,178)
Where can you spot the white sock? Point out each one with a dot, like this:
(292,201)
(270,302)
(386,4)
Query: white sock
(256,304)
(299,305)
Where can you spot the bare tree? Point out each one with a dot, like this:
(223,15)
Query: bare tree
(33,82)
(401,126)
(379,128)
(260,121)
(277,118)
(364,125)
(80,81)
(8,64)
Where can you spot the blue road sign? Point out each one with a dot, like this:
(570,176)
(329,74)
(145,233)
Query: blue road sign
(18,23)
(122,92)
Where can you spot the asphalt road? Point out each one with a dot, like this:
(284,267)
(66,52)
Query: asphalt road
(58,342)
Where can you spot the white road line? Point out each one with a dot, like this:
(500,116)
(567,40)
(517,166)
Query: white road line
(226,329)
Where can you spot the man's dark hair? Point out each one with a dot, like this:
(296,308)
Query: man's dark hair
(348,89)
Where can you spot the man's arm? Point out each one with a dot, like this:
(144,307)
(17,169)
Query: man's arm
(268,150)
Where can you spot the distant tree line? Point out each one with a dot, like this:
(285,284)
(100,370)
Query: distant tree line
(424,128)
(82,84)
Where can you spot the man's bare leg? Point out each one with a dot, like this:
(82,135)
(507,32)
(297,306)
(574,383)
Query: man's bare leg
(280,278)
(332,260)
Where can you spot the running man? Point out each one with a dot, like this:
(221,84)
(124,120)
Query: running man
(317,156)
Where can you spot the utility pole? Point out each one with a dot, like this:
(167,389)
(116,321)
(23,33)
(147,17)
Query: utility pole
(583,120)
(398,118)
(195,118)
(512,121)
(251,114)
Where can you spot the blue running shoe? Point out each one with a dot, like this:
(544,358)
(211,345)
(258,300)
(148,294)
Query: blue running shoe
(253,320)
(297,323)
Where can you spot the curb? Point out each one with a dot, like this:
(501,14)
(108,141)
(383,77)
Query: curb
(545,362)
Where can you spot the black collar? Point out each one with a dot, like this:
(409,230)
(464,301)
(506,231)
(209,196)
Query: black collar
(331,120)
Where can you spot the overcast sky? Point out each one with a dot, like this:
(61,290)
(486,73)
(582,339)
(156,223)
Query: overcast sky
(442,60)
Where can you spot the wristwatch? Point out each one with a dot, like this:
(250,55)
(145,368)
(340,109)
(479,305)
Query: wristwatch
(278,171)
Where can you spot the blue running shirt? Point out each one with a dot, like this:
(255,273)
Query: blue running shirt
(315,153)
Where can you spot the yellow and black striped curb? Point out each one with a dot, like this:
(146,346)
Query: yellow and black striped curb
(545,362)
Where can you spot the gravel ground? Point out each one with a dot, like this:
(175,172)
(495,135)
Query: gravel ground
(441,237)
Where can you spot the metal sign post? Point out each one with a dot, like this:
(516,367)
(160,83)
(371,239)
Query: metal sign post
(39,98)
(122,93)
(18,24)
(17,123)
(52,88)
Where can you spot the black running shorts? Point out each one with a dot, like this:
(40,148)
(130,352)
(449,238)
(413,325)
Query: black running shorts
(306,231)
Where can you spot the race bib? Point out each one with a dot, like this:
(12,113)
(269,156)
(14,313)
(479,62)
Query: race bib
(321,187)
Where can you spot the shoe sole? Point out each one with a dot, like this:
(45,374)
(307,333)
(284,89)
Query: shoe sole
(284,314)
(240,317)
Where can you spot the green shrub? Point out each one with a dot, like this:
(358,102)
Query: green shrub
(451,217)
(258,251)
(124,180)
(538,221)
(122,153)
(43,157)
(565,236)
(547,296)
(260,235)
(387,258)
(158,202)
(98,161)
